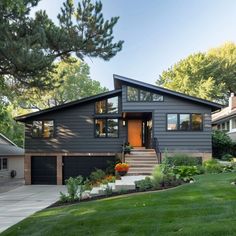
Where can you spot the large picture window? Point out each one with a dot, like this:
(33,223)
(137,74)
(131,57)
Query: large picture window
(138,95)
(106,128)
(42,129)
(109,105)
(185,122)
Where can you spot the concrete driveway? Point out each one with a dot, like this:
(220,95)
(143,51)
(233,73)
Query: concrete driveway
(17,204)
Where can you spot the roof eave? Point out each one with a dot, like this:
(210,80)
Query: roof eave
(22,118)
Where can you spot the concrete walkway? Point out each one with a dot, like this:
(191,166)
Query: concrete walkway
(17,204)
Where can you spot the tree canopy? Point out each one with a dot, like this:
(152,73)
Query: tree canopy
(72,82)
(210,75)
(30,45)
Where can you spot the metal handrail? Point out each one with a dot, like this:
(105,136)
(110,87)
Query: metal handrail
(156,147)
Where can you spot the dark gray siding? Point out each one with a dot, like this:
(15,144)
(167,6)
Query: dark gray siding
(74,133)
(177,141)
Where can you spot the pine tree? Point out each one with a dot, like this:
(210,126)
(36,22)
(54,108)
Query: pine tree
(30,45)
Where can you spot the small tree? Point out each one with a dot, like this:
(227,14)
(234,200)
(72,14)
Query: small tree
(221,143)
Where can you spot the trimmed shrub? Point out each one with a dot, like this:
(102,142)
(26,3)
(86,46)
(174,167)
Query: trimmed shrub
(213,166)
(144,184)
(181,159)
(227,157)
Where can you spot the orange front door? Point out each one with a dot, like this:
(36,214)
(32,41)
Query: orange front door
(135,133)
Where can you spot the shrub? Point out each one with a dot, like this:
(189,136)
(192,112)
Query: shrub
(163,176)
(201,170)
(144,184)
(158,176)
(181,159)
(185,173)
(228,168)
(75,189)
(110,170)
(227,157)
(221,143)
(97,176)
(213,166)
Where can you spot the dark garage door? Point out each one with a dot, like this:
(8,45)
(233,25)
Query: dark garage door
(43,170)
(83,165)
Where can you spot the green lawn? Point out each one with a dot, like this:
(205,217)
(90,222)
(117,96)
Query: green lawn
(207,207)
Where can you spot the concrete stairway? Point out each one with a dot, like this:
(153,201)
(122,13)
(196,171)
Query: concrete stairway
(141,161)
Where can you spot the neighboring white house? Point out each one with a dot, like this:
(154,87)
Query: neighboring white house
(225,119)
(11,158)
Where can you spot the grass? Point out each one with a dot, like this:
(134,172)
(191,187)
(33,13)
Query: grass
(207,207)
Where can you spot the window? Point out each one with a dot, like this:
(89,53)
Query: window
(145,96)
(37,129)
(3,164)
(106,128)
(172,122)
(48,129)
(112,128)
(234,123)
(101,107)
(112,105)
(43,129)
(132,94)
(135,95)
(184,121)
(196,122)
(109,105)
(157,97)
(100,128)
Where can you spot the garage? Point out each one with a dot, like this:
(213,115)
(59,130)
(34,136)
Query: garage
(83,165)
(43,170)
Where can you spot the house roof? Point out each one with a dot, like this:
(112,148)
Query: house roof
(222,115)
(8,148)
(69,104)
(119,80)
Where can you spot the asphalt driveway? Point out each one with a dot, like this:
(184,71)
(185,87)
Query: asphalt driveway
(17,204)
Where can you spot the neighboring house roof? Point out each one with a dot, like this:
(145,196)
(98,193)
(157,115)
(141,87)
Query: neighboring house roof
(69,104)
(222,115)
(8,148)
(118,80)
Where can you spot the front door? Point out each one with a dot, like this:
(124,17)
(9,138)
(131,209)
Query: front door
(135,133)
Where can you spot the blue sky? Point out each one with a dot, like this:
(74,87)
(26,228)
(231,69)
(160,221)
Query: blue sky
(158,33)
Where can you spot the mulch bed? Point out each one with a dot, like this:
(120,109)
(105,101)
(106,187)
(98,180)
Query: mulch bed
(114,194)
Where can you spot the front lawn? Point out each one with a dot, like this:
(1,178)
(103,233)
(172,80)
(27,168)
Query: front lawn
(207,207)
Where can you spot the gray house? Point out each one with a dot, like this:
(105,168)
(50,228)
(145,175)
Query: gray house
(11,159)
(76,137)
(225,119)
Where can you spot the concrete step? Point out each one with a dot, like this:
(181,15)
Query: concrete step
(142,165)
(141,158)
(151,162)
(142,150)
(141,154)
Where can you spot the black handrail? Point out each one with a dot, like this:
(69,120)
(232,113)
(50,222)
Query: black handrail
(156,146)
